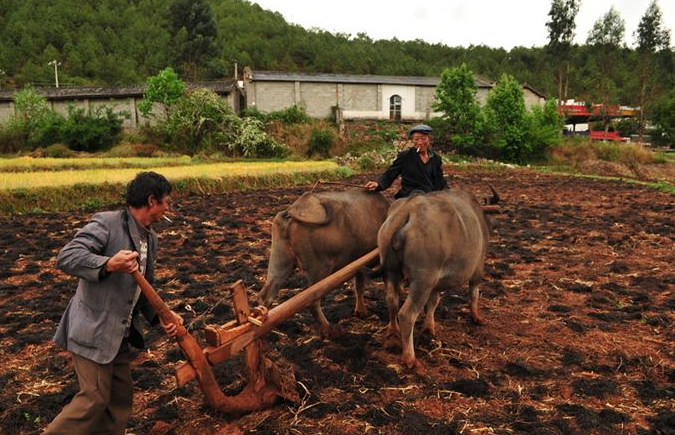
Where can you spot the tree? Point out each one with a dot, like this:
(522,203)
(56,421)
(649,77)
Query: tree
(608,30)
(651,36)
(195,33)
(663,117)
(38,124)
(545,127)
(560,33)
(166,88)
(606,37)
(508,119)
(456,98)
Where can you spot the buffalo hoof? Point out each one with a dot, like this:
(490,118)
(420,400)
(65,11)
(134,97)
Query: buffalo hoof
(415,365)
(332,332)
(430,329)
(479,320)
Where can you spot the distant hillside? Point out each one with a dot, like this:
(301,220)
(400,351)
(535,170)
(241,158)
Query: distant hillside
(113,42)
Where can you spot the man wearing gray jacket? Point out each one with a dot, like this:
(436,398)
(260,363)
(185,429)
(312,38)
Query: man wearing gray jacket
(101,320)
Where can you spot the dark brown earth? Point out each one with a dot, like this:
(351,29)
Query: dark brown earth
(578,296)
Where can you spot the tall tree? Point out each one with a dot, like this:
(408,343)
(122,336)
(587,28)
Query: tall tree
(456,98)
(651,36)
(560,33)
(606,37)
(194,36)
(507,117)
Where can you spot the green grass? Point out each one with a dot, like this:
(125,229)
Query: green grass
(65,178)
(565,170)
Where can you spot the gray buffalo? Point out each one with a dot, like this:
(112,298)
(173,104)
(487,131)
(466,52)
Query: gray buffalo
(320,233)
(437,241)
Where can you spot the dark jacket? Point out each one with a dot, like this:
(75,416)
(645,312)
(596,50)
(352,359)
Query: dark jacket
(95,321)
(413,175)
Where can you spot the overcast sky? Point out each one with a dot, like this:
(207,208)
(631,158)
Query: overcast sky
(496,23)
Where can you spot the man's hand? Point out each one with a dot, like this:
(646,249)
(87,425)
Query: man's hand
(124,261)
(372,185)
(171,328)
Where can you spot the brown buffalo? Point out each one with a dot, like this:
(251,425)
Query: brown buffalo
(437,241)
(321,233)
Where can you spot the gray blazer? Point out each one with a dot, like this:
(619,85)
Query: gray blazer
(95,320)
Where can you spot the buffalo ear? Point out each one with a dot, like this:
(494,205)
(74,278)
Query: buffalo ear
(309,209)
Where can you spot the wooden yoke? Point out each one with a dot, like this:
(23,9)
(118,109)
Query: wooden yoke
(257,395)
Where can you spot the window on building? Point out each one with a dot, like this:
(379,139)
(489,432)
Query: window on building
(395,107)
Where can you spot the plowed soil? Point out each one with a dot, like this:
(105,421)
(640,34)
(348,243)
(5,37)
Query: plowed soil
(578,297)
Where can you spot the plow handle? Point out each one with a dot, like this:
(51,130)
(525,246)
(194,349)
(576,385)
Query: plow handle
(160,307)
(248,400)
(191,349)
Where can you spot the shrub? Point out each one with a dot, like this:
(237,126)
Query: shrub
(47,130)
(632,154)
(627,127)
(92,130)
(365,146)
(201,122)
(545,125)
(40,125)
(366,163)
(253,112)
(607,151)
(253,141)
(374,159)
(129,149)
(290,115)
(12,136)
(320,142)
(574,152)
(58,150)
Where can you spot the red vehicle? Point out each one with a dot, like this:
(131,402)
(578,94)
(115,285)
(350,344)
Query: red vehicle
(610,135)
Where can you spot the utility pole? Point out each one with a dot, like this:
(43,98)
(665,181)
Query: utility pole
(56,70)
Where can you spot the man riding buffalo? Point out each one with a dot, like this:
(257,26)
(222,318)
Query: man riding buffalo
(419,167)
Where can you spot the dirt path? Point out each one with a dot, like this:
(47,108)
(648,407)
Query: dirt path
(579,299)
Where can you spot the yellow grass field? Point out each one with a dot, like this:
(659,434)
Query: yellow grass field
(216,171)
(28,164)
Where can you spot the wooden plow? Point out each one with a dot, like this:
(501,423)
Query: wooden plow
(266,382)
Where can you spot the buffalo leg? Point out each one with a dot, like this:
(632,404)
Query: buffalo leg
(325,328)
(360,310)
(391,285)
(432,303)
(407,315)
(475,294)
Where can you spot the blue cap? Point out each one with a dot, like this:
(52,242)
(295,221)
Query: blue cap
(421,128)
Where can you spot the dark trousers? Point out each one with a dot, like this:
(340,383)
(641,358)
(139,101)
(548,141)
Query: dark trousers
(103,404)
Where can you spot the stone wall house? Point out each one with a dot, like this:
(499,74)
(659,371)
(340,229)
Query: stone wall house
(121,99)
(354,96)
